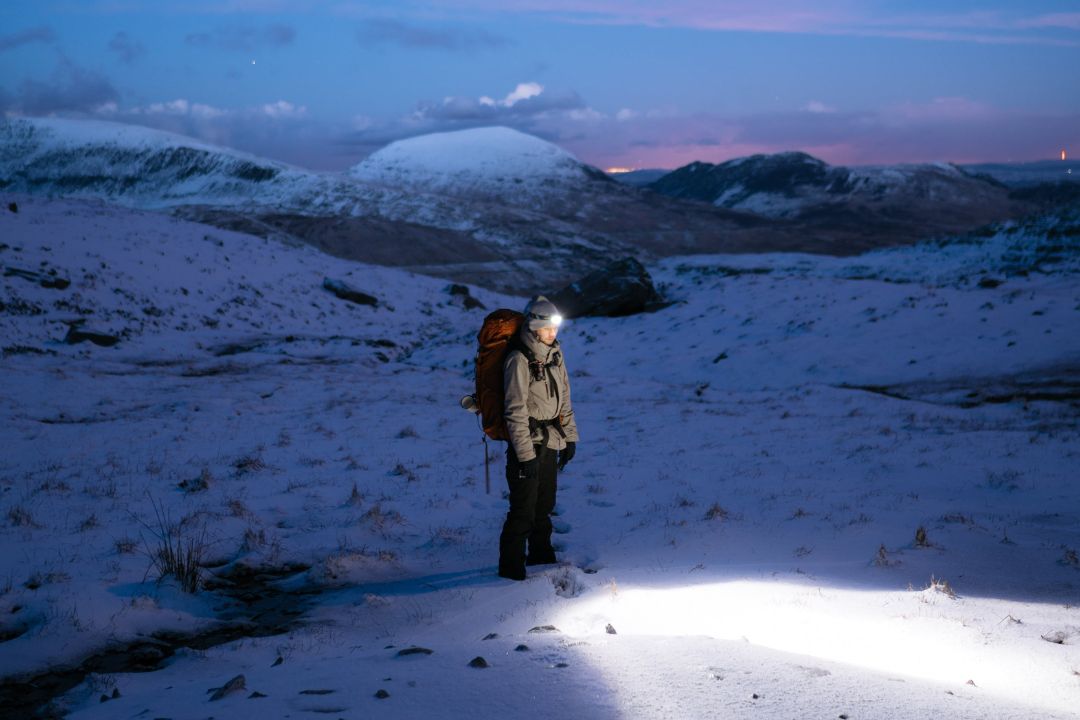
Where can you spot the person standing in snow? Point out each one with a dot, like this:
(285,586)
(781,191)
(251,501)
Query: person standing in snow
(543,437)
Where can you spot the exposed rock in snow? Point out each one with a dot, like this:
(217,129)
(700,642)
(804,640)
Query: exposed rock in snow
(622,288)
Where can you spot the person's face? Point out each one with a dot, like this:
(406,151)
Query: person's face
(547,334)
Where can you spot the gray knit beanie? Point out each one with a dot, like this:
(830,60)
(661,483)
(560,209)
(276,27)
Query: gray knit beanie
(542,313)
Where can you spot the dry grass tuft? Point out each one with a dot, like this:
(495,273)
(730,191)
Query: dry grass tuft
(172,554)
(943,587)
(716,512)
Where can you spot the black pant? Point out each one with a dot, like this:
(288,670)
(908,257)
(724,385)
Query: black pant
(529,521)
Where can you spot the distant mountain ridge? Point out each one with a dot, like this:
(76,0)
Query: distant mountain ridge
(790,184)
(497,207)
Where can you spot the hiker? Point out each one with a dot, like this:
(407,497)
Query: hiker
(542,437)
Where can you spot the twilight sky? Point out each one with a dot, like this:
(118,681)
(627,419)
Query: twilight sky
(634,83)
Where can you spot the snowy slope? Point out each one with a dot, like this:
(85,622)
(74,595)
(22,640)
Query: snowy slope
(485,162)
(755,462)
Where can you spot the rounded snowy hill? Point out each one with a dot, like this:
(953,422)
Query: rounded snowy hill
(489,161)
(141,167)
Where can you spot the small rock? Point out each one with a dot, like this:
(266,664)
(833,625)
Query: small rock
(105,698)
(462,291)
(278,661)
(561,665)
(610,629)
(491,636)
(843,716)
(115,693)
(382,694)
(1058,637)
(414,651)
(237,683)
(522,648)
(13,207)
(755,696)
(478,662)
(255,695)
(544,629)
(320,691)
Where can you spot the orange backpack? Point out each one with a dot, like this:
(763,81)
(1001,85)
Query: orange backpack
(495,334)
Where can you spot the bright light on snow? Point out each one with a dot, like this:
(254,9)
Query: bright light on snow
(914,634)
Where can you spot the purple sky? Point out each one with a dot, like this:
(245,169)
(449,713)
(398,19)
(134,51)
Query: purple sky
(618,82)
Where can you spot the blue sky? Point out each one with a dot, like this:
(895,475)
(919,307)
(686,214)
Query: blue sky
(618,82)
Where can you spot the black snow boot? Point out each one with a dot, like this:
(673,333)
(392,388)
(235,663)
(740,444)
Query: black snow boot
(512,573)
(544,556)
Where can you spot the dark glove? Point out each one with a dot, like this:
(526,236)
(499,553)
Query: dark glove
(567,454)
(529,470)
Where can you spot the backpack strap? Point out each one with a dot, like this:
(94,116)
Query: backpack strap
(556,422)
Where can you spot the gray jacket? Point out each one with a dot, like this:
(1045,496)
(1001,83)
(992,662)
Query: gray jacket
(544,397)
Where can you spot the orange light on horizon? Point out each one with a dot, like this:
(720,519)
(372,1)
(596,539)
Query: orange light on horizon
(620,170)
(1062,154)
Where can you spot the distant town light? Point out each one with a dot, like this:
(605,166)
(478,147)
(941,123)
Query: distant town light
(618,170)
(1063,154)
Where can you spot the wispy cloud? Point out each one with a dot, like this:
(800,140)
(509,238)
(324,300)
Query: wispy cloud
(243,38)
(1003,23)
(127,49)
(1067,21)
(281,130)
(70,89)
(387,31)
(40,34)
(525,102)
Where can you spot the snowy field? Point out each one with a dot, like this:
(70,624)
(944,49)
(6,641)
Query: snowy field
(809,487)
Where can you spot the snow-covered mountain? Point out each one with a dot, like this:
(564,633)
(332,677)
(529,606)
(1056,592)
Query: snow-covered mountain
(489,162)
(787,185)
(809,486)
(145,168)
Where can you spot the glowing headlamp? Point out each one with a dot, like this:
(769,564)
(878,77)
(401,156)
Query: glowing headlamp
(555,320)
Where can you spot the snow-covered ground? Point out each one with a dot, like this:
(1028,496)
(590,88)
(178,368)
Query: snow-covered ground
(740,527)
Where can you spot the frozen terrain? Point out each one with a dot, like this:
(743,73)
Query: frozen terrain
(809,487)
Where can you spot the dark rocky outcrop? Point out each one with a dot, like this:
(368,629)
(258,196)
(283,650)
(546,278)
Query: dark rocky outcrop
(622,288)
(347,292)
(44,280)
(462,291)
(75,335)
